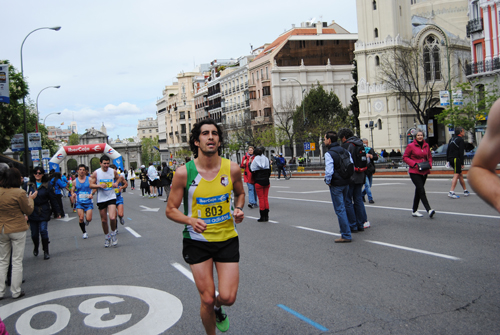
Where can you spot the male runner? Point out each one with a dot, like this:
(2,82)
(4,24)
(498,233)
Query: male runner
(102,180)
(210,237)
(82,196)
(122,184)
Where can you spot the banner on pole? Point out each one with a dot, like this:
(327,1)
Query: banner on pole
(4,84)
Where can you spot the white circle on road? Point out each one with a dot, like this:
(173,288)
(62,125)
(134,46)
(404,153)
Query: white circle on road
(63,315)
(165,309)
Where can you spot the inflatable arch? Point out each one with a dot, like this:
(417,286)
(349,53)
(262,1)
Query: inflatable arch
(101,148)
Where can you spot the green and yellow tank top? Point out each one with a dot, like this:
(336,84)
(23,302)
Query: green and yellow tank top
(210,200)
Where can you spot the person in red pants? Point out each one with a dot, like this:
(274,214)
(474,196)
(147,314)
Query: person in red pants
(261,172)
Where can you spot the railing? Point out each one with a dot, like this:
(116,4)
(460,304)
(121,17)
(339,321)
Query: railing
(474,26)
(483,66)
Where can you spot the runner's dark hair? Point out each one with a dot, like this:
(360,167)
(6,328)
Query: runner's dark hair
(104,158)
(332,136)
(195,136)
(345,132)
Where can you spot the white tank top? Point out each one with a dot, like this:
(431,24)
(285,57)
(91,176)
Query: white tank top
(108,193)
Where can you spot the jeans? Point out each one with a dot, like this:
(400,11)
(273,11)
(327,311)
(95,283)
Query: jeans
(281,168)
(252,196)
(339,198)
(39,227)
(368,187)
(263,193)
(12,243)
(419,182)
(160,191)
(132,183)
(355,212)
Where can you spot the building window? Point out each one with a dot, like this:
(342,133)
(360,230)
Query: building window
(253,78)
(432,59)
(376,32)
(150,131)
(266,90)
(479,52)
(267,112)
(374,5)
(262,73)
(252,95)
(143,131)
(476,14)
(267,73)
(377,61)
(257,74)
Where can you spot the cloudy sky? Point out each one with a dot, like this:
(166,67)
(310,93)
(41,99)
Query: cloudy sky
(113,58)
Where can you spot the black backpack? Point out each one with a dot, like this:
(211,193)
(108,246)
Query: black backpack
(360,161)
(346,167)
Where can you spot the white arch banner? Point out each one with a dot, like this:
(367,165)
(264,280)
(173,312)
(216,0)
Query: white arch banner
(86,149)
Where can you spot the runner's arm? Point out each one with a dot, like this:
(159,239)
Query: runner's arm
(124,183)
(482,176)
(175,199)
(93,181)
(239,193)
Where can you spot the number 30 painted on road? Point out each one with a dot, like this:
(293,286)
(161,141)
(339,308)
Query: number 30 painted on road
(164,309)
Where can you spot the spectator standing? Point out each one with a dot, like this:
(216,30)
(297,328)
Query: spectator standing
(58,186)
(153,180)
(455,156)
(371,157)
(417,152)
(14,205)
(248,177)
(261,172)
(165,179)
(131,178)
(144,180)
(339,186)
(281,163)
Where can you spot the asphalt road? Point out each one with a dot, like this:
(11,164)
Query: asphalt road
(403,275)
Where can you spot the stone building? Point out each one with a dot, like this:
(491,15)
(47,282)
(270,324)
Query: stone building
(147,128)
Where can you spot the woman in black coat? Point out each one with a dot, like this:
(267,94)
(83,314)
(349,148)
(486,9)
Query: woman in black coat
(45,203)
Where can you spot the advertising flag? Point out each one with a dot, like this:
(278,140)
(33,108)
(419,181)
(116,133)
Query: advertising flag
(4,84)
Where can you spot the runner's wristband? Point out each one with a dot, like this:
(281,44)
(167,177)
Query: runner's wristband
(241,209)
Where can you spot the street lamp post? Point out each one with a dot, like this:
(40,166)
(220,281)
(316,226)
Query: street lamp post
(58,113)
(302,90)
(37,112)
(25,132)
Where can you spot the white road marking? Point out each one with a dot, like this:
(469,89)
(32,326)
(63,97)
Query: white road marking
(294,192)
(460,194)
(147,209)
(66,219)
(385,184)
(133,232)
(394,208)
(389,245)
(255,218)
(187,273)
(280,186)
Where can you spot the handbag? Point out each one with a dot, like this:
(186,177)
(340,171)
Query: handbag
(423,166)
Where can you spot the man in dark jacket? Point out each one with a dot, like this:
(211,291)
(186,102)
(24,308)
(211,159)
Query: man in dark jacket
(455,156)
(355,212)
(280,163)
(338,186)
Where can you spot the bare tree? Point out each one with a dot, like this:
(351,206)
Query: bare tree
(283,122)
(413,72)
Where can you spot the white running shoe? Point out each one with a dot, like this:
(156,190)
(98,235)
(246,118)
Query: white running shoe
(431,213)
(416,214)
(453,195)
(107,241)
(466,193)
(114,239)
(85,236)
(366,224)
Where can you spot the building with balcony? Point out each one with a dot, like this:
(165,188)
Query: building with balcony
(437,28)
(147,128)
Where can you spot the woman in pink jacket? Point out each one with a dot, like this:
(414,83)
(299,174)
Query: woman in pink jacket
(416,152)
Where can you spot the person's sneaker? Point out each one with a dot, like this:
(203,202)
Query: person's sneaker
(416,214)
(342,240)
(121,220)
(221,319)
(250,205)
(114,239)
(466,193)
(107,241)
(431,213)
(366,224)
(371,202)
(453,195)
(85,236)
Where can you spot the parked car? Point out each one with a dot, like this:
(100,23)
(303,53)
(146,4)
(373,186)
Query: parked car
(470,154)
(440,152)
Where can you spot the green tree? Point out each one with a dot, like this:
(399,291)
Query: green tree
(323,112)
(74,139)
(11,115)
(477,101)
(149,153)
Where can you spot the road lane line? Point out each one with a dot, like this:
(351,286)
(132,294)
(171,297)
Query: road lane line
(393,208)
(187,273)
(133,232)
(388,245)
(255,218)
(453,258)
(385,184)
(294,192)
(303,318)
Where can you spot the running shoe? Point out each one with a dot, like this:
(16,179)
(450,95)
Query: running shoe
(431,213)
(85,236)
(466,193)
(114,239)
(121,220)
(416,214)
(453,195)
(221,320)
(107,241)
(366,224)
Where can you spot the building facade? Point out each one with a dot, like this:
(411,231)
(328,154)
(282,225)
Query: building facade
(147,128)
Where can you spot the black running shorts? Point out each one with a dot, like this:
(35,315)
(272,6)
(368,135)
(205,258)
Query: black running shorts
(456,165)
(103,205)
(195,252)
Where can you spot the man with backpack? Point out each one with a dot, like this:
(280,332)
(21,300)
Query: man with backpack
(339,168)
(355,212)
(455,156)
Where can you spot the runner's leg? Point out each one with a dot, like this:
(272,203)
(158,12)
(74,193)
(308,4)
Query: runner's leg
(203,274)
